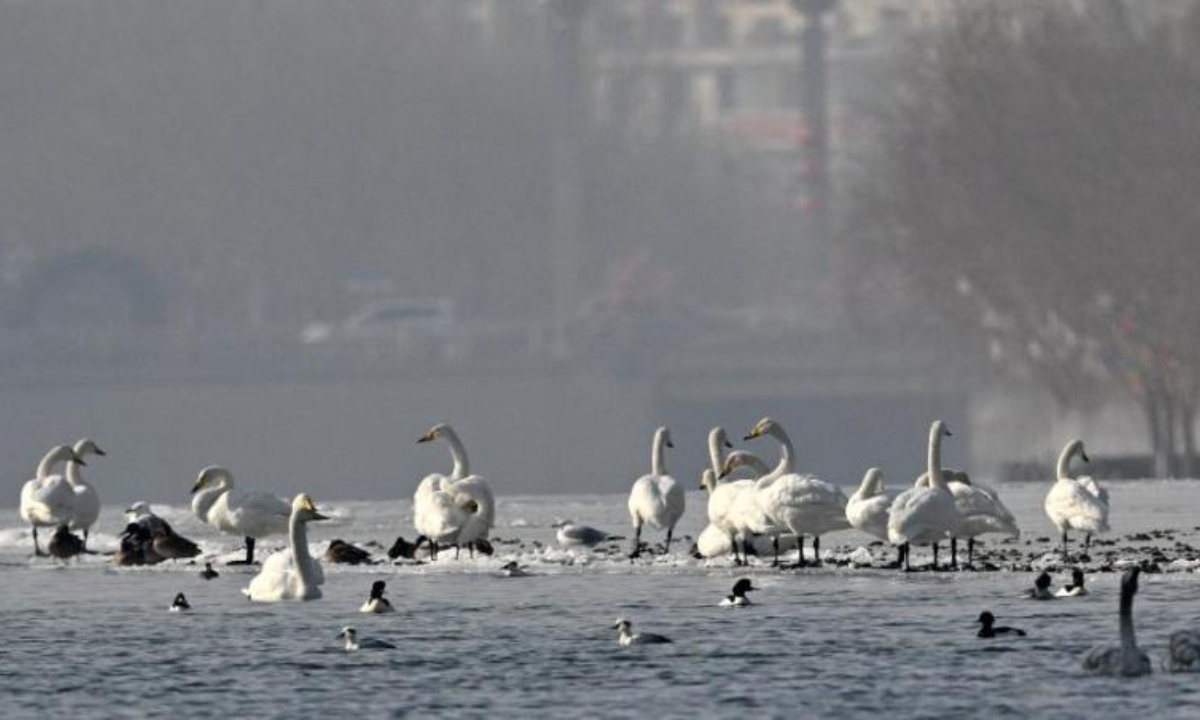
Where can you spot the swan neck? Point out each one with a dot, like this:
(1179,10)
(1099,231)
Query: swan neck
(786,451)
(74,475)
(1128,640)
(657,464)
(714,450)
(298,538)
(935,458)
(462,466)
(1064,462)
(46,465)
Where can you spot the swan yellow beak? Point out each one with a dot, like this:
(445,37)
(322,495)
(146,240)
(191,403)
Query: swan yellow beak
(428,437)
(200,483)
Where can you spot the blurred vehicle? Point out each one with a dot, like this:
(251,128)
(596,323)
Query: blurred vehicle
(402,326)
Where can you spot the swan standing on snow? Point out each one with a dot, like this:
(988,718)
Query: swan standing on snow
(87,500)
(626,636)
(743,518)
(656,498)
(1076,504)
(722,495)
(868,508)
(800,504)
(48,500)
(980,511)
(238,512)
(924,514)
(1126,659)
(291,574)
(458,509)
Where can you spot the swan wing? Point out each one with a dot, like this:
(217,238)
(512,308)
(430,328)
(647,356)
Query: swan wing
(713,542)
(657,500)
(921,514)
(474,491)
(869,515)
(981,511)
(277,580)
(1071,506)
(250,513)
(87,507)
(48,501)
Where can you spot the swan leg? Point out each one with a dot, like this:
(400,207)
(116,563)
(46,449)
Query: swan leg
(667,549)
(734,548)
(970,552)
(775,547)
(816,551)
(37,549)
(935,554)
(1087,542)
(249,554)
(456,549)
(637,542)
(433,550)
(1064,544)
(953,553)
(900,557)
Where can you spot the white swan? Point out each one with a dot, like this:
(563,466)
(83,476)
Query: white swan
(980,511)
(238,512)
(800,504)
(656,498)
(293,573)
(1183,651)
(743,518)
(1076,504)
(1125,659)
(869,507)
(572,534)
(458,509)
(924,514)
(721,496)
(48,500)
(87,500)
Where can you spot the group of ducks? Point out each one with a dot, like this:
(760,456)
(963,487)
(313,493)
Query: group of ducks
(784,506)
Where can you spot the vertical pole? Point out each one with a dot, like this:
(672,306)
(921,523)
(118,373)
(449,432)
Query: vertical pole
(565,18)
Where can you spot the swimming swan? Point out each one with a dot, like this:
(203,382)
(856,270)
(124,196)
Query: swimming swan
(458,509)
(291,574)
(656,498)
(48,500)
(1125,659)
(87,500)
(377,603)
(1183,651)
(238,512)
(1076,504)
(800,504)
(924,514)
(626,636)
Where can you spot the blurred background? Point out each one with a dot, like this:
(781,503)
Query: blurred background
(287,236)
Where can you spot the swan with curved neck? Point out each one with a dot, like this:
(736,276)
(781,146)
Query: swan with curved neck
(291,574)
(87,500)
(1078,504)
(48,500)
(656,499)
(1126,659)
(458,509)
(925,513)
(800,504)
(867,509)
(248,514)
(741,516)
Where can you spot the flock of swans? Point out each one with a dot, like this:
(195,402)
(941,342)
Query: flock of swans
(779,506)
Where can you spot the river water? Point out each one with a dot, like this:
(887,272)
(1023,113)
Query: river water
(89,640)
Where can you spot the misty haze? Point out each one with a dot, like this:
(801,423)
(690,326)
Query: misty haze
(326,250)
